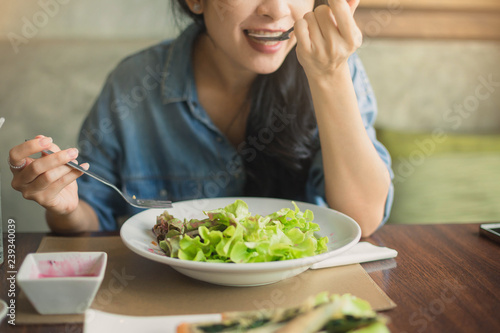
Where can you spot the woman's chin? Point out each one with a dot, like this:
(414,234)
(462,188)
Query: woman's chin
(267,67)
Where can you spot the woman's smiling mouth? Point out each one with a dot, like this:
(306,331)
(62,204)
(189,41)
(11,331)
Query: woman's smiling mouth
(262,36)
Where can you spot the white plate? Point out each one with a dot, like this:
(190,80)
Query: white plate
(342,232)
(103,322)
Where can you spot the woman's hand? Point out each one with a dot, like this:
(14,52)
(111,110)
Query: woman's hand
(327,37)
(46,180)
(356,179)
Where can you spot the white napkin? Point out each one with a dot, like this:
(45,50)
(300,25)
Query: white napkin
(361,252)
(102,322)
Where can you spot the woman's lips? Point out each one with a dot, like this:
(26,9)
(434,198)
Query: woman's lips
(263,46)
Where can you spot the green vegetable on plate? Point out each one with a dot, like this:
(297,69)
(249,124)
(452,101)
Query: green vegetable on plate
(232,234)
(321,313)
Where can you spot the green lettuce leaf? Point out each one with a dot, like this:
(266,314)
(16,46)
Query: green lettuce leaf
(333,314)
(232,234)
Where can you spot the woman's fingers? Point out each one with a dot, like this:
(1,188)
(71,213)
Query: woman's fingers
(301,31)
(65,180)
(54,175)
(327,23)
(353,5)
(19,155)
(331,24)
(53,163)
(327,37)
(46,189)
(46,169)
(345,21)
(46,180)
(315,33)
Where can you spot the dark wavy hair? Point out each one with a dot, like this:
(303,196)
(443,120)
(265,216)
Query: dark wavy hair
(282,118)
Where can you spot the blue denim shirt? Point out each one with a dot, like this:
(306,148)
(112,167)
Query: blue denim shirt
(149,135)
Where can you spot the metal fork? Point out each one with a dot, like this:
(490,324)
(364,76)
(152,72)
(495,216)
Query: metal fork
(132,200)
(282,37)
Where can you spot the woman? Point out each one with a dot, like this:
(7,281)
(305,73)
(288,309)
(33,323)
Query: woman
(220,111)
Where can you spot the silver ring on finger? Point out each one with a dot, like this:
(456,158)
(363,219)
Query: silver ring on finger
(16,167)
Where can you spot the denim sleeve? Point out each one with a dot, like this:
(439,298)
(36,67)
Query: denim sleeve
(315,188)
(98,145)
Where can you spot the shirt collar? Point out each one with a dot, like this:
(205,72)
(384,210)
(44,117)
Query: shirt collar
(178,83)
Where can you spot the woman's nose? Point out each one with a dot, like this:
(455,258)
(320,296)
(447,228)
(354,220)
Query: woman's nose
(275,9)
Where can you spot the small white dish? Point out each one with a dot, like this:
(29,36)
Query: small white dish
(62,282)
(342,232)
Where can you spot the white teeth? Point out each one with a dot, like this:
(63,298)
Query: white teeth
(265,42)
(255,33)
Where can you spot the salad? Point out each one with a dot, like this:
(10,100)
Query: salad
(231,234)
(325,313)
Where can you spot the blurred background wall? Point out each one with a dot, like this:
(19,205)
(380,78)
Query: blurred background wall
(434,68)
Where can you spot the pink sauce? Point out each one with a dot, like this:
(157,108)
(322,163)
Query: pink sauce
(45,276)
(77,267)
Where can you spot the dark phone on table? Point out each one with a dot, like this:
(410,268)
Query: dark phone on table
(490,230)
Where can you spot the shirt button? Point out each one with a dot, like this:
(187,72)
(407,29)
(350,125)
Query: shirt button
(163,193)
(219,139)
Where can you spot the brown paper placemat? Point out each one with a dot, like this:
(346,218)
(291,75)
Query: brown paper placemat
(136,286)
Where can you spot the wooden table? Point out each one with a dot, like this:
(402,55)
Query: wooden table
(446,278)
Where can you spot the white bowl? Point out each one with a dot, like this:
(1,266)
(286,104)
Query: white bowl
(342,231)
(62,282)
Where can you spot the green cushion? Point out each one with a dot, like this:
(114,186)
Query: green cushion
(444,179)
(404,143)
